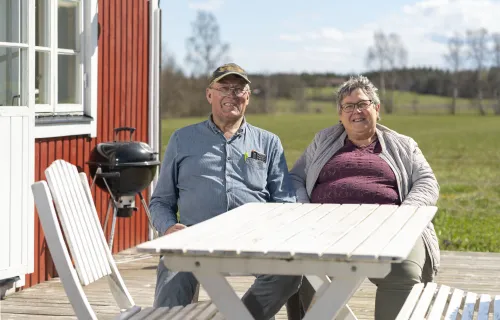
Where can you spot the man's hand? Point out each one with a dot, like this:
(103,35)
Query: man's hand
(174,228)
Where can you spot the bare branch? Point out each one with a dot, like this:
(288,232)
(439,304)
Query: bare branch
(455,56)
(478,49)
(478,53)
(389,53)
(205,48)
(496,49)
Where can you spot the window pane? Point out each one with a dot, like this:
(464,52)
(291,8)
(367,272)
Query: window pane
(42,23)
(10,76)
(42,77)
(68,80)
(13,26)
(67,24)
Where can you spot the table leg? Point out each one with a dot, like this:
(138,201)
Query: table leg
(320,284)
(333,297)
(223,296)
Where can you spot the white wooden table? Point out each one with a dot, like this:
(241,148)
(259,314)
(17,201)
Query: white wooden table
(346,243)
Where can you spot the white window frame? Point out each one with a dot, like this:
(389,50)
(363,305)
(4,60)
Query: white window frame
(86,84)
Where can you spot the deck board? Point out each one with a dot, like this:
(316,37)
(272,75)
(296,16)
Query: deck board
(472,271)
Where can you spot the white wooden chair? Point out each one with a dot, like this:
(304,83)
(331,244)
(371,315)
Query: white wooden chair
(435,302)
(70,192)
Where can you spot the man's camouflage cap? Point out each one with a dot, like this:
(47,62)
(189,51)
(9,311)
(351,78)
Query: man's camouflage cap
(227,69)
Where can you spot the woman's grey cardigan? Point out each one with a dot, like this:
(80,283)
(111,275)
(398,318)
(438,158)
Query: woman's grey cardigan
(417,184)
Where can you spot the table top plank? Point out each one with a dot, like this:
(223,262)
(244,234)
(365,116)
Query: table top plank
(360,233)
(296,242)
(212,228)
(270,238)
(263,229)
(335,233)
(402,243)
(370,250)
(228,233)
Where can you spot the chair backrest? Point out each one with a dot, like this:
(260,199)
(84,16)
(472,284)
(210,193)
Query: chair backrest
(78,217)
(76,213)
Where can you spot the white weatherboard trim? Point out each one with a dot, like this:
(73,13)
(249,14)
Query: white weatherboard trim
(154,86)
(63,130)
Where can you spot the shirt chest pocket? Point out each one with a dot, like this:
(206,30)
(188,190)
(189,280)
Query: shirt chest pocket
(255,173)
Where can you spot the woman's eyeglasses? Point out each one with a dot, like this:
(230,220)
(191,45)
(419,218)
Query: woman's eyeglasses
(360,105)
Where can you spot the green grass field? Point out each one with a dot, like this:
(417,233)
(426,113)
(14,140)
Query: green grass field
(405,101)
(463,150)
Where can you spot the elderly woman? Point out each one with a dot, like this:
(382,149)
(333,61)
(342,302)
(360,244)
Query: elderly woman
(361,161)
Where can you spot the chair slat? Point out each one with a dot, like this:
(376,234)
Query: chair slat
(181,315)
(439,303)
(68,222)
(148,313)
(454,305)
(207,313)
(200,307)
(410,302)
(469,305)
(424,302)
(484,307)
(496,308)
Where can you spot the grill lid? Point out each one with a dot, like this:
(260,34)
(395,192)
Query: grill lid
(123,153)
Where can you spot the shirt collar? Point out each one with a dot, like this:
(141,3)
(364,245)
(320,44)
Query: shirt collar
(215,129)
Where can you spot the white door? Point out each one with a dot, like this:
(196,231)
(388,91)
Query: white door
(17,98)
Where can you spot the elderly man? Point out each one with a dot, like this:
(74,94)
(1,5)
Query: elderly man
(212,167)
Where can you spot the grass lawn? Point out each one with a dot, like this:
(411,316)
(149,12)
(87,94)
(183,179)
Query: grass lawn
(463,150)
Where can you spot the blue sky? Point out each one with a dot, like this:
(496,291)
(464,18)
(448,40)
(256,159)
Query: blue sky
(326,35)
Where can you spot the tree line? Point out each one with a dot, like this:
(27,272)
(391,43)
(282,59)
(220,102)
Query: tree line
(473,72)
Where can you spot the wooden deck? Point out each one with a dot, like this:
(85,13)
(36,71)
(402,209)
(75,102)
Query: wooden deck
(478,272)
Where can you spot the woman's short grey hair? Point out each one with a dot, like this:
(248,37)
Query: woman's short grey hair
(357,82)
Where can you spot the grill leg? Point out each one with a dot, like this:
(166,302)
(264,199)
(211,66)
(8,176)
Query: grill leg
(112,234)
(146,209)
(107,215)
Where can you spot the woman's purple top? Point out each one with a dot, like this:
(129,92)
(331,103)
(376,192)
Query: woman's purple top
(356,175)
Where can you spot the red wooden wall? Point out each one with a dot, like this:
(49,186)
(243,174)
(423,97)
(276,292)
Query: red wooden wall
(122,101)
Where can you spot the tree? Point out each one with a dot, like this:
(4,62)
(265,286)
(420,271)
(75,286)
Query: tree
(477,52)
(397,58)
(454,58)
(496,63)
(389,53)
(172,82)
(205,48)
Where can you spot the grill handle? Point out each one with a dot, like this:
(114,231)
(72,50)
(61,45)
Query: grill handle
(111,175)
(129,129)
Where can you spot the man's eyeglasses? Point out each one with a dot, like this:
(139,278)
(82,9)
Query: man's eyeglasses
(360,105)
(227,91)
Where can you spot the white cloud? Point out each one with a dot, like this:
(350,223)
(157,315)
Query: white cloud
(321,34)
(423,27)
(208,5)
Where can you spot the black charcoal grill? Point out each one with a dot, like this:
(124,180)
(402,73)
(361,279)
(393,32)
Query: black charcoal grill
(123,169)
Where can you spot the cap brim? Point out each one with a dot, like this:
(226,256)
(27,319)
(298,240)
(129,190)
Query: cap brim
(229,73)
